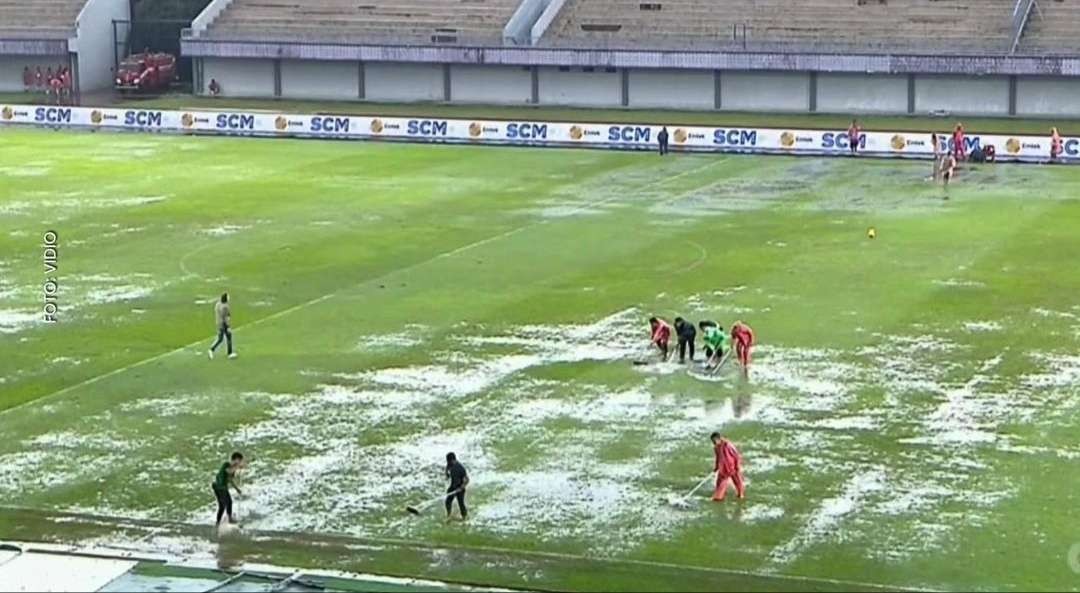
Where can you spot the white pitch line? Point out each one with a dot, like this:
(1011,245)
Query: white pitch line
(189,255)
(312,302)
(711,163)
(430,545)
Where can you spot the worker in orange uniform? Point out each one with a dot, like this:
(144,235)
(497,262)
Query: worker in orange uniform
(728,468)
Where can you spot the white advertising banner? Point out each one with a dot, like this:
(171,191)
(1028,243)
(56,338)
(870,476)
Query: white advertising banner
(533,133)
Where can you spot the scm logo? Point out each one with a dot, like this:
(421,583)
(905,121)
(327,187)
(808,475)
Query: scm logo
(427,127)
(53,115)
(735,137)
(970,143)
(840,140)
(527,131)
(235,121)
(330,124)
(143,119)
(1072,147)
(629,134)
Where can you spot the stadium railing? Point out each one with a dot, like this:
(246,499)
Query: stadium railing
(1020,15)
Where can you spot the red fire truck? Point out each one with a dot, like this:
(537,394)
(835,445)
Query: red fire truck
(146,72)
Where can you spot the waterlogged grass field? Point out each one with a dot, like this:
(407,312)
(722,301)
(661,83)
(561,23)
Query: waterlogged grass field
(910,419)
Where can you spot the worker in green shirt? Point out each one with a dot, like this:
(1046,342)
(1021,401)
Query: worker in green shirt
(717,343)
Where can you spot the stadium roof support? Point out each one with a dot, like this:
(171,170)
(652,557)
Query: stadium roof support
(603,58)
(518,30)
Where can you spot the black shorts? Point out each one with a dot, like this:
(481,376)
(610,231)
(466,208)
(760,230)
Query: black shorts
(948,174)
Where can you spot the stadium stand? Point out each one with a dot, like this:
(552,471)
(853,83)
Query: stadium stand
(925,26)
(44,19)
(1053,29)
(389,21)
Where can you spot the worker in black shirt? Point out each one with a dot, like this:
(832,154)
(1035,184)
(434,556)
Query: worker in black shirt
(687,335)
(459,480)
(662,138)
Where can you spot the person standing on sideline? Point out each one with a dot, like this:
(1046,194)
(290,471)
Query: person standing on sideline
(225,479)
(223,317)
(854,133)
(459,480)
(1056,145)
(958,138)
(728,468)
(662,138)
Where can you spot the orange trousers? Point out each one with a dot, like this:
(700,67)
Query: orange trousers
(724,482)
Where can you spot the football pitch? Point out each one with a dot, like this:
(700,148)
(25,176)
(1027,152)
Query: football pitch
(909,420)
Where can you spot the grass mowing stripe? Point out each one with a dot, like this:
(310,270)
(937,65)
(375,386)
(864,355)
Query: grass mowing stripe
(325,297)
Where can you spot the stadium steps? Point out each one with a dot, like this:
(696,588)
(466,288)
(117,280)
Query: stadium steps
(38,19)
(359,20)
(911,25)
(1056,32)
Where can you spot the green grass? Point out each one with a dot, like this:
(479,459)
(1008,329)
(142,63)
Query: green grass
(920,123)
(908,422)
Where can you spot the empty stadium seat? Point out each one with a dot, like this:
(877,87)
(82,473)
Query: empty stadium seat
(385,21)
(1053,29)
(954,26)
(38,19)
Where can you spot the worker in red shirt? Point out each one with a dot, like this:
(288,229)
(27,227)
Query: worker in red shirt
(661,335)
(743,338)
(958,143)
(1056,144)
(728,468)
(65,84)
(854,134)
(56,86)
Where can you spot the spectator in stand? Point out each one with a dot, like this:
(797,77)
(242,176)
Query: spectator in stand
(1056,145)
(958,143)
(27,79)
(215,88)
